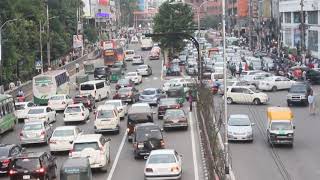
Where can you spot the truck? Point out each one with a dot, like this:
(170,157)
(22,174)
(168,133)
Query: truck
(146,43)
(155,53)
(280,127)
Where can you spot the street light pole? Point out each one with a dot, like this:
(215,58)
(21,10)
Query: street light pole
(41,57)
(48,40)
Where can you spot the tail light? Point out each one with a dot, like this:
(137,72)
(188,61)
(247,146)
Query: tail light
(42,133)
(162,143)
(41,170)
(149,170)
(12,172)
(175,169)
(52,142)
(63,102)
(177,106)
(5,162)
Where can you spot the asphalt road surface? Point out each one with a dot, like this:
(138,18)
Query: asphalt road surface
(125,167)
(257,160)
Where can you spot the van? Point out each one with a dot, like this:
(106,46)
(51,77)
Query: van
(76,168)
(99,89)
(280,128)
(107,119)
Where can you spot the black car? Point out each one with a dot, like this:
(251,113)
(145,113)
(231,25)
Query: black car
(298,93)
(33,165)
(7,153)
(101,72)
(313,76)
(86,99)
(126,82)
(127,94)
(167,103)
(147,137)
(76,168)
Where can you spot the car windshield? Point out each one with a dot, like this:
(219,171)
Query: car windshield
(20,106)
(175,93)
(57,98)
(148,133)
(115,103)
(148,92)
(73,109)
(102,114)
(162,159)
(85,145)
(36,111)
(174,113)
(80,98)
(239,121)
(168,101)
(281,126)
(143,67)
(27,163)
(4,152)
(63,133)
(32,127)
(86,87)
(298,89)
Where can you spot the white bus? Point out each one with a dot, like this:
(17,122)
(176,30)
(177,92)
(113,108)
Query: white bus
(146,43)
(48,84)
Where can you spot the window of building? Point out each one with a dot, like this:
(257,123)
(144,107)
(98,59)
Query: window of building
(287,16)
(296,17)
(313,40)
(288,37)
(313,17)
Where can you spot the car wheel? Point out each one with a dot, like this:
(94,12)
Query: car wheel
(274,88)
(229,100)
(256,101)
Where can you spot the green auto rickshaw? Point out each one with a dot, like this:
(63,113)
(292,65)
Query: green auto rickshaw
(76,169)
(88,68)
(177,92)
(115,74)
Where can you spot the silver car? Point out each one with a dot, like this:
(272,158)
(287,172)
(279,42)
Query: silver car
(151,96)
(35,132)
(240,128)
(163,164)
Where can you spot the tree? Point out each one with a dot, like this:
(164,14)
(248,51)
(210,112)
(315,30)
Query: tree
(211,21)
(173,18)
(127,9)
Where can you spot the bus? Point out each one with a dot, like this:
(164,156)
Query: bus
(7,118)
(113,53)
(48,84)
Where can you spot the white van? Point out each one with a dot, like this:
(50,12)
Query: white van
(107,119)
(99,89)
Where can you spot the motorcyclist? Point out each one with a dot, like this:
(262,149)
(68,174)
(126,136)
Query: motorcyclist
(20,93)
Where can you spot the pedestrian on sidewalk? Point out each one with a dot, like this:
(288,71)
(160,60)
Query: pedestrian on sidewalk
(190,100)
(77,67)
(12,85)
(312,103)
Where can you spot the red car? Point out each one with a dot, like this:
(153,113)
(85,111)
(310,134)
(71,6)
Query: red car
(127,94)
(86,99)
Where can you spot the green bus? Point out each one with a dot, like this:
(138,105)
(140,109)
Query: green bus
(7,118)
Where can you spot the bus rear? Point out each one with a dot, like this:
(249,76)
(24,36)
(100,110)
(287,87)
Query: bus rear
(110,57)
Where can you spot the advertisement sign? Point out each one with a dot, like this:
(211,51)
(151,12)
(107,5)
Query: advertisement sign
(104,2)
(87,8)
(77,41)
(108,53)
(141,5)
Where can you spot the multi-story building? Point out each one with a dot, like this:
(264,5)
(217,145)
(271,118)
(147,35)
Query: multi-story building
(292,28)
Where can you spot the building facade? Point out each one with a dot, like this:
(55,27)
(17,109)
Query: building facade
(292,28)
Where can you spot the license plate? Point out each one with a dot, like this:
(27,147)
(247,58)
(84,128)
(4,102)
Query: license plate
(26,177)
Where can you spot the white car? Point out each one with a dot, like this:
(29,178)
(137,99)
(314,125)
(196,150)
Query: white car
(176,82)
(163,163)
(62,138)
(241,94)
(121,106)
(42,113)
(275,83)
(75,113)
(59,102)
(144,70)
(218,67)
(129,54)
(240,128)
(35,132)
(137,60)
(134,76)
(22,109)
(107,119)
(95,147)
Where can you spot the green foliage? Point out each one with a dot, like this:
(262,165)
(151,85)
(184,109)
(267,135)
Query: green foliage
(91,33)
(210,21)
(20,39)
(173,18)
(127,7)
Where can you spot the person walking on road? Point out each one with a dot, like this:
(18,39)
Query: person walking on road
(77,67)
(312,103)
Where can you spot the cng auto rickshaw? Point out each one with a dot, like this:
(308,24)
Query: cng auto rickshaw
(88,68)
(76,169)
(177,92)
(115,74)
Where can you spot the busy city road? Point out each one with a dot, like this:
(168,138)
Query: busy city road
(257,160)
(127,167)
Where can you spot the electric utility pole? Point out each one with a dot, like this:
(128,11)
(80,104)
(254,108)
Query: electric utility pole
(302,41)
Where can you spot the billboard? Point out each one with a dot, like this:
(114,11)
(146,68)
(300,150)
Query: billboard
(104,2)
(141,4)
(77,41)
(87,8)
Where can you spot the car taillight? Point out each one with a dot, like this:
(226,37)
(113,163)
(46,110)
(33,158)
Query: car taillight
(162,143)
(5,162)
(52,142)
(177,106)
(149,170)
(41,170)
(63,102)
(12,172)
(175,169)
(43,133)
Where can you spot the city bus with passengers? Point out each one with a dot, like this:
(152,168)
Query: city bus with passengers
(8,119)
(50,83)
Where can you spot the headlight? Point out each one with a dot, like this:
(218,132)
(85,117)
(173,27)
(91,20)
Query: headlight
(290,135)
(303,96)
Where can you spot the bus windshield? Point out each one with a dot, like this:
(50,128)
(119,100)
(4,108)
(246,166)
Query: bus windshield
(42,81)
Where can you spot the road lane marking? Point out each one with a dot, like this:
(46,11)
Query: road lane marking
(194,154)
(116,160)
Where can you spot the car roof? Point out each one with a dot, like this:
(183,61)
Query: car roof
(238,116)
(75,162)
(34,122)
(21,103)
(87,138)
(39,107)
(65,127)
(150,89)
(31,155)
(162,151)
(92,82)
(106,107)
(75,105)
(113,100)
(147,124)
